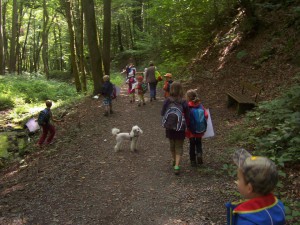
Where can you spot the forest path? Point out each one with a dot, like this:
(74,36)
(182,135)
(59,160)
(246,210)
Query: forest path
(81,180)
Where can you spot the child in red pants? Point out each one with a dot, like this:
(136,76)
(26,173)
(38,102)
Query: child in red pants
(44,120)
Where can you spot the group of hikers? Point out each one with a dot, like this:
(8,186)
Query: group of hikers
(184,116)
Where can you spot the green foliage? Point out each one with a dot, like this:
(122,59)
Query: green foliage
(60,75)
(28,93)
(273,128)
(292,210)
(6,102)
(241,54)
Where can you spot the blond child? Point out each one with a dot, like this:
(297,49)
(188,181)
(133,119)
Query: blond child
(197,127)
(257,178)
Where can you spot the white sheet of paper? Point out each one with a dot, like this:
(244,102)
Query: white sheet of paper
(118,90)
(32,125)
(210,129)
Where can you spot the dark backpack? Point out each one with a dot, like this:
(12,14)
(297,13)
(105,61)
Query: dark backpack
(198,123)
(173,118)
(44,117)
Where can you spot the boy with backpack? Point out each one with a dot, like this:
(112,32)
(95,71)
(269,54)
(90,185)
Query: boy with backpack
(44,120)
(141,88)
(107,92)
(197,128)
(175,113)
(257,178)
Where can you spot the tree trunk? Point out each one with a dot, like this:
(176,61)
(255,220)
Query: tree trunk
(14,30)
(72,44)
(83,75)
(95,56)
(23,58)
(106,36)
(2,56)
(45,40)
(121,47)
(137,19)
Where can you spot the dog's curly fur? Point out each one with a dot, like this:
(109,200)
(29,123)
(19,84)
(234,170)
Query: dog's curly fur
(132,136)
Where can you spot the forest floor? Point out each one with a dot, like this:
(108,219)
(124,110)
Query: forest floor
(81,180)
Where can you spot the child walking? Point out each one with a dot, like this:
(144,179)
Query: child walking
(257,178)
(176,138)
(45,120)
(107,90)
(195,136)
(141,90)
(167,84)
(131,81)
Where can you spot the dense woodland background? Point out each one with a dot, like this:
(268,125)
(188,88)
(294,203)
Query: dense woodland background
(66,46)
(87,38)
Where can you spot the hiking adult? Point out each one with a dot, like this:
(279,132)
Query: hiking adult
(151,80)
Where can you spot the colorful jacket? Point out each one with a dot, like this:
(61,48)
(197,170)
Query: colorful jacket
(166,88)
(188,133)
(265,210)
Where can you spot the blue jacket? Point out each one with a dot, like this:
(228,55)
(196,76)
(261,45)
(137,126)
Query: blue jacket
(265,210)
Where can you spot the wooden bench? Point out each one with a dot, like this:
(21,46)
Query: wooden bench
(246,99)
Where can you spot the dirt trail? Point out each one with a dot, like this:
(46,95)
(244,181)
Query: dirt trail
(81,180)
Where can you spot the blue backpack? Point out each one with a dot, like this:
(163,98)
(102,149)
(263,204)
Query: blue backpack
(198,123)
(173,118)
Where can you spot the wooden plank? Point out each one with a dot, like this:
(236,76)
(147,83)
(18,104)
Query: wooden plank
(251,87)
(240,98)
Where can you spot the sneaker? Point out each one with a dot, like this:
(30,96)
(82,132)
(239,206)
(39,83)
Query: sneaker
(111,112)
(139,104)
(193,163)
(199,159)
(150,99)
(105,114)
(154,98)
(176,170)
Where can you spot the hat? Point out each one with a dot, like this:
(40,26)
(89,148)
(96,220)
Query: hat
(140,78)
(259,171)
(168,75)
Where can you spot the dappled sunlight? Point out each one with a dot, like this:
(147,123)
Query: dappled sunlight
(233,38)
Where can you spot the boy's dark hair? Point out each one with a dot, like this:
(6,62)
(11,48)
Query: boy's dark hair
(48,103)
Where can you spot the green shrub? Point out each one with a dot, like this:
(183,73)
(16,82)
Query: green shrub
(6,102)
(273,128)
(60,75)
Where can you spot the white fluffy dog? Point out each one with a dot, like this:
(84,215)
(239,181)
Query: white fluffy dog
(133,136)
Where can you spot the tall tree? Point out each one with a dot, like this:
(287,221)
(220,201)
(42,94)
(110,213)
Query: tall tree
(45,39)
(14,30)
(95,56)
(68,9)
(2,56)
(106,36)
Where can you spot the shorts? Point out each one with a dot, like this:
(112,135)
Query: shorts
(176,145)
(106,101)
